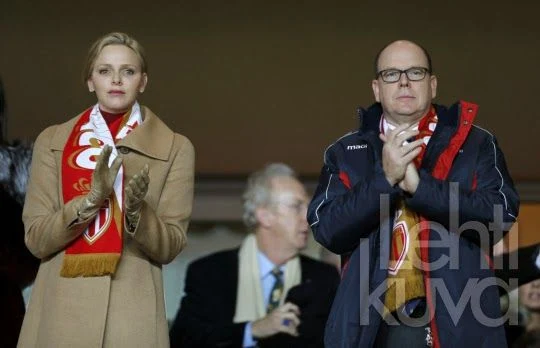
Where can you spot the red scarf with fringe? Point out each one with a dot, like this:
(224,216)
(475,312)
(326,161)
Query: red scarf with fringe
(97,251)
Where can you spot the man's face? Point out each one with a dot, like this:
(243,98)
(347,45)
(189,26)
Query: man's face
(289,210)
(404,101)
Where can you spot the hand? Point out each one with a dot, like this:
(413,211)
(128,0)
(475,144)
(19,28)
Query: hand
(397,153)
(134,194)
(410,182)
(102,183)
(282,319)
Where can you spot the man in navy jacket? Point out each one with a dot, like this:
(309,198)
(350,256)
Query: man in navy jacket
(414,201)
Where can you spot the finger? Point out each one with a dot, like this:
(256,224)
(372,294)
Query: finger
(99,160)
(412,155)
(405,149)
(106,154)
(143,175)
(398,130)
(416,143)
(128,193)
(115,167)
(291,318)
(291,307)
(290,325)
(401,138)
(133,184)
(142,182)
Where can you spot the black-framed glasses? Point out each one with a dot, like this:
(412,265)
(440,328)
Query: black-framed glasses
(413,74)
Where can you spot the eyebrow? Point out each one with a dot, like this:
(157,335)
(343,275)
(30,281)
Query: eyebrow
(121,66)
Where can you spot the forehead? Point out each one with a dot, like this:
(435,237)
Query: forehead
(402,55)
(117,54)
(288,188)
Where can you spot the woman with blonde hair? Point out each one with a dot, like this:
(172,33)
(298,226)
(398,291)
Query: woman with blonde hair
(108,203)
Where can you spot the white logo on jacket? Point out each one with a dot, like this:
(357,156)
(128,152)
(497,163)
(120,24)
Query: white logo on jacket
(356,147)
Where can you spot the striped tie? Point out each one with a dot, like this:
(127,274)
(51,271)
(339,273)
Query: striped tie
(277,290)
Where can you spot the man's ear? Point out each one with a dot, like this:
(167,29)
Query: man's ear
(264,216)
(433,82)
(375,87)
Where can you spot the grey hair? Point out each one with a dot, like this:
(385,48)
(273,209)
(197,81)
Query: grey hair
(259,190)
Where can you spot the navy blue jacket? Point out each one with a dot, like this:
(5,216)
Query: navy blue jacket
(468,209)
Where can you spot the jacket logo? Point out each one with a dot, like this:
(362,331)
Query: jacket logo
(356,147)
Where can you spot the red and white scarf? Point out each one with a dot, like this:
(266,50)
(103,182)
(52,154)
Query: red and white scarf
(405,281)
(97,251)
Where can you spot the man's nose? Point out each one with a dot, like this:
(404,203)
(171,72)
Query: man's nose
(403,79)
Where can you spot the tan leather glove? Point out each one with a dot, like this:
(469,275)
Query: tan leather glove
(102,184)
(134,194)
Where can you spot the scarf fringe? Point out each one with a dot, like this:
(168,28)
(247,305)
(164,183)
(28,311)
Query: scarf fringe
(89,265)
(400,290)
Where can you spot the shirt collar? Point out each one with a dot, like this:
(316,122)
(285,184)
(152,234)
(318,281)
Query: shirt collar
(265,265)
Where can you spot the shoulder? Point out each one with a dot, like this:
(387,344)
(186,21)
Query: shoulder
(223,258)
(55,136)
(342,143)
(184,144)
(316,267)
(157,128)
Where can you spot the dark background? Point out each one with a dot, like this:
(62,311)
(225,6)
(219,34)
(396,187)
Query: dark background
(256,81)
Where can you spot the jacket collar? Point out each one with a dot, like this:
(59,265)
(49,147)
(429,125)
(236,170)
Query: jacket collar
(152,131)
(370,118)
(450,120)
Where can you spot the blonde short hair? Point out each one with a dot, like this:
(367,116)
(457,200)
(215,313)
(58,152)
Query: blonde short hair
(115,38)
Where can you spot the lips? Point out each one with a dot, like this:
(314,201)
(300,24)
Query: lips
(116,92)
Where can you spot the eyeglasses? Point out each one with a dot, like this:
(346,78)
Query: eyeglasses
(297,207)
(393,75)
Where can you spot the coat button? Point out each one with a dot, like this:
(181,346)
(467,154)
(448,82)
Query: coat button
(123,150)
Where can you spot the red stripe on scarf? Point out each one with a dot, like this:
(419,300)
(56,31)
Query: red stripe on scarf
(84,257)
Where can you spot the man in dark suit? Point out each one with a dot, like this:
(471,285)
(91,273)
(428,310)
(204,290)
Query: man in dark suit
(264,293)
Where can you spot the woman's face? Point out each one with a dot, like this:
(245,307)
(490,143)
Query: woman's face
(529,295)
(117,78)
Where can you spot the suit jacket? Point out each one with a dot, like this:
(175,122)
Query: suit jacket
(205,318)
(524,271)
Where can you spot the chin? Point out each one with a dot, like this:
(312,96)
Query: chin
(301,246)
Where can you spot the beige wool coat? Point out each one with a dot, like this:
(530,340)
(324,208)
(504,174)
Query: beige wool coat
(126,309)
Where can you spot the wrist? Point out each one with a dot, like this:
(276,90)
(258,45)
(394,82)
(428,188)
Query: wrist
(132,220)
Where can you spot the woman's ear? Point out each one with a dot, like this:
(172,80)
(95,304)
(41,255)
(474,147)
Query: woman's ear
(143,83)
(90,84)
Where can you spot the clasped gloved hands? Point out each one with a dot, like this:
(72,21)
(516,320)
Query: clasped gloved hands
(102,184)
(134,194)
